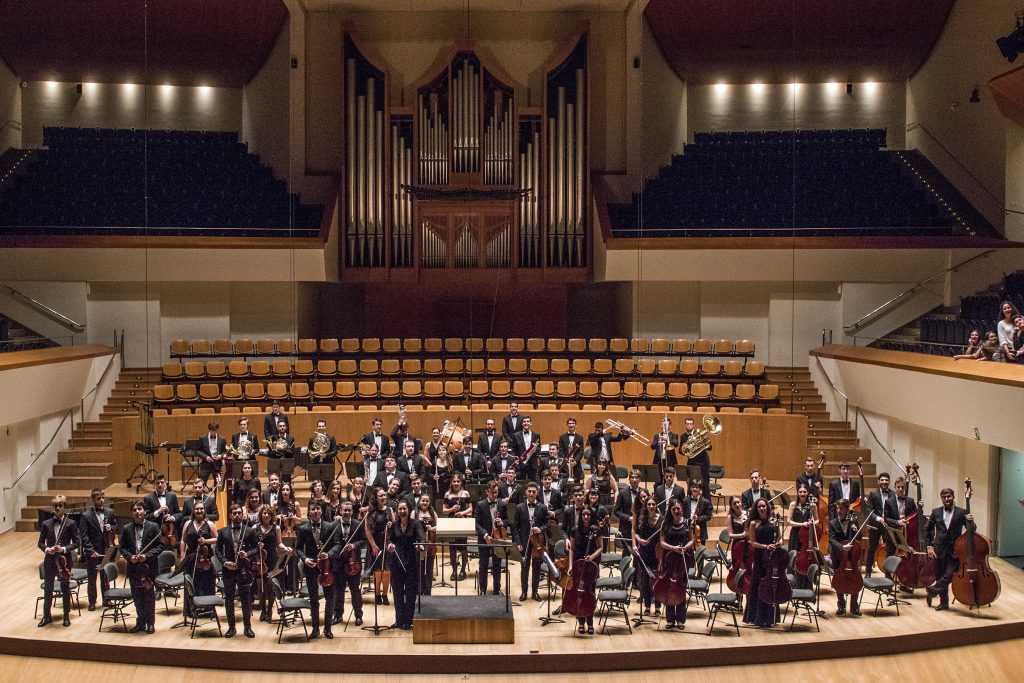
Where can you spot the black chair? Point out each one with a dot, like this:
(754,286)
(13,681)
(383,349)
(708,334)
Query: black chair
(698,588)
(166,581)
(615,581)
(73,585)
(805,600)
(289,611)
(115,600)
(201,607)
(730,603)
(883,586)
(616,601)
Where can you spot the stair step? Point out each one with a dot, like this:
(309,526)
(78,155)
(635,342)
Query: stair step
(830,470)
(81,469)
(90,442)
(101,426)
(79,482)
(45,498)
(835,440)
(134,393)
(25,525)
(83,455)
(111,415)
(92,433)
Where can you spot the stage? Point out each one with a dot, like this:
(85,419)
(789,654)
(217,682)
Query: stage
(536,649)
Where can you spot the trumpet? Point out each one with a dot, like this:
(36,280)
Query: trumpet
(622,427)
(700,438)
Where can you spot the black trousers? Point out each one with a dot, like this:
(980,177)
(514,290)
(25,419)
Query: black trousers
(676,613)
(342,582)
(404,585)
(233,588)
(144,597)
(426,569)
(313,586)
(208,469)
(874,537)
(489,561)
(946,565)
(92,567)
(528,563)
(854,600)
(49,577)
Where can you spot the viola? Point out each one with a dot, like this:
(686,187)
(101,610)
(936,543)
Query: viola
(670,585)
(167,534)
(324,576)
(579,600)
(204,557)
(975,583)
(740,567)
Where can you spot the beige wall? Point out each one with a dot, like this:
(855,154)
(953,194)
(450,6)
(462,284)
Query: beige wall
(117,105)
(10,109)
(776,106)
(265,109)
(969,139)
(664,109)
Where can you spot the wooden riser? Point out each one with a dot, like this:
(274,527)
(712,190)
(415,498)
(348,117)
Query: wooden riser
(78,483)
(45,498)
(84,455)
(90,469)
(91,442)
(103,426)
(141,393)
(819,439)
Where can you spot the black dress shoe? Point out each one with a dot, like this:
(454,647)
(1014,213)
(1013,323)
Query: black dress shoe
(522,597)
(230,633)
(92,608)
(336,620)
(395,625)
(150,629)
(328,634)
(44,621)
(67,621)
(855,611)
(590,630)
(314,634)
(359,621)
(249,633)
(385,600)
(928,596)
(536,597)
(841,611)
(942,606)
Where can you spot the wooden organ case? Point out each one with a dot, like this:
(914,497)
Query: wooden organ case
(469,177)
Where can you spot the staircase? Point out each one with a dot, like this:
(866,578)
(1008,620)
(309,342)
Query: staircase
(834,439)
(87,462)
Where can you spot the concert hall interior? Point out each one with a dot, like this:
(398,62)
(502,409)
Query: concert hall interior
(434,337)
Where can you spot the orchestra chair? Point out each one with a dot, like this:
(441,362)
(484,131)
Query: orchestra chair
(391,345)
(167,581)
(754,368)
(242,347)
(307,347)
(646,366)
(494,345)
(475,345)
(618,345)
(660,347)
(535,345)
(680,347)
(615,581)
(172,371)
(204,606)
(201,347)
(701,347)
(115,600)
(598,345)
(716,472)
(556,345)
(883,586)
(432,346)
(289,611)
(179,347)
(539,367)
(616,601)
(222,347)
(73,584)
(698,586)
(639,345)
(805,600)
(730,603)
(195,369)
(412,345)
(265,347)
(581,366)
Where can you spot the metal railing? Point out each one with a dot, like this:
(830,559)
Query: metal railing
(897,300)
(42,308)
(917,125)
(70,412)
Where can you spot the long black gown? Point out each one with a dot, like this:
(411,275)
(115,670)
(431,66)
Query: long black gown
(757,612)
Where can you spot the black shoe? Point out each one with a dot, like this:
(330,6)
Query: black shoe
(328,634)
(386,601)
(928,596)
(581,630)
(336,620)
(138,628)
(462,574)
(379,599)
(249,633)
(67,621)
(855,611)
(942,606)
(314,634)
(230,633)
(670,624)
(150,629)
(590,630)
(264,618)
(359,621)
(407,627)
(453,577)
(92,607)
(841,611)
(44,621)
(395,626)
(522,597)
(498,592)
(536,596)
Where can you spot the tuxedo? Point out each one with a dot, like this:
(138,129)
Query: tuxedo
(941,536)
(142,540)
(498,465)
(385,443)
(329,455)
(266,499)
(701,515)
(600,442)
(670,454)
(522,528)
(152,503)
(398,438)
(520,447)
(418,464)
(510,425)
(209,502)
(810,481)
(227,549)
(835,492)
(701,460)
(310,542)
(841,532)
(383,480)
(54,532)
(207,449)
(91,528)
(270,424)
(488,444)
(751,496)
(892,515)
(660,495)
(355,534)
(460,463)
(253,439)
(567,441)
(877,505)
(623,512)
(551,498)
(485,522)
(287,452)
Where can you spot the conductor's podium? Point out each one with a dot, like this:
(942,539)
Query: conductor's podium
(463,619)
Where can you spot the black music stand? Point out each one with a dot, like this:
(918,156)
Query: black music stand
(320,471)
(282,467)
(190,457)
(355,469)
(235,468)
(650,474)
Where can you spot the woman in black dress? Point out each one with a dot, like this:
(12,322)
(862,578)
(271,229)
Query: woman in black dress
(404,542)
(604,483)
(763,536)
(198,537)
(586,543)
(375,526)
(268,537)
(737,519)
(242,486)
(457,504)
(425,515)
(645,539)
(676,539)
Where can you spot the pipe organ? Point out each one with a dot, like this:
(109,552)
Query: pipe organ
(470,175)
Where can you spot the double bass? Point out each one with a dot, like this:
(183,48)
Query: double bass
(823,515)
(975,583)
(917,570)
(774,587)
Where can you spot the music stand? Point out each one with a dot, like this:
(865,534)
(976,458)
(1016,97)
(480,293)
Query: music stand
(693,473)
(650,474)
(235,468)
(320,471)
(355,469)
(190,458)
(280,466)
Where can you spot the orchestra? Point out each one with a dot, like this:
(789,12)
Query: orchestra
(524,496)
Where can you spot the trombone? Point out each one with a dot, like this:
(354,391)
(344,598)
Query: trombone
(622,427)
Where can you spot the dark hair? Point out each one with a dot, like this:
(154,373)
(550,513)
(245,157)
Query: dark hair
(947,490)
(235,506)
(213,426)
(884,474)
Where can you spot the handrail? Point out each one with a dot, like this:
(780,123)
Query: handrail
(70,413)
(861,415)
(50,313)
(835,389)
(918,125)
(873,314)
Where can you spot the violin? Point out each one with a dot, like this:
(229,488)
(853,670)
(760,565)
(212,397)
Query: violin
(167,534)
(324,576)
(774,587)
(975,583)
(847,578)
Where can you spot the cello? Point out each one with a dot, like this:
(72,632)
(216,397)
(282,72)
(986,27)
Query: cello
(847,578)
(974,583)
(807,539)
(579,599)
(671,582)
(774,587)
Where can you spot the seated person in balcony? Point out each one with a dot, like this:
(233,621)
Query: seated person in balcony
(1005,327)
(973,349)
(991,350)
(1015,351)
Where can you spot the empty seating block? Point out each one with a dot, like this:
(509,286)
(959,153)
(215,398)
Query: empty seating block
(265,347)
(327,368)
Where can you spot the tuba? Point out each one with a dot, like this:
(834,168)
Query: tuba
(700,438)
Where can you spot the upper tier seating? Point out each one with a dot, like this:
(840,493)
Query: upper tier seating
(819,182)
(95,181)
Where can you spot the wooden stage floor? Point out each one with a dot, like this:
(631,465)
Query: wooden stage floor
(537,648)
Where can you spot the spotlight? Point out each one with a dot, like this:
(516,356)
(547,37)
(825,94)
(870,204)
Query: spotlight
(1012,44)
(849,88)
(975,96)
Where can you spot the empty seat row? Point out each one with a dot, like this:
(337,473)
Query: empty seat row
(455,389)
(457,345)
(454,367)
(340,408)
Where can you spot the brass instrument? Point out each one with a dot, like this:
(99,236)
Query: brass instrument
(278,444)
(622,427)
(700,438)
(243,452)
(321,442)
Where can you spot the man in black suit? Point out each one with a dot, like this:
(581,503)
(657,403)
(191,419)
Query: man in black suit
(243,434)
(571,513)
(462,460)
(601,445)
(375,437)
(409,462)
(351,539)
(811,479)
(749,497)
(531,518)
(317,536)
(550,496)
(623,509)
(236,542)
(945,525)
(665,444)
(511,423)
(140,545)
(526,445)
(325,457)
(282,447)
(570,442)
(900,508)
(58,537)
(418,489)
(162,502)
(273,491)
(843,487)
(211,454)
(373,464)
(272,419)
(503,460)
(697,507)
(487,444)
(390,472)
(401,432)
(877,502)
(200,495)
(665,492)
(94,525)
(490,513)
(701,459)
(841,534)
